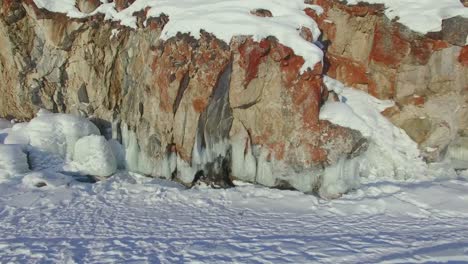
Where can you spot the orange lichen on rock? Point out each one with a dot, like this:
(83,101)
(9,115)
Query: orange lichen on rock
(252,55)
(463,58)
(389,48)
(199,104)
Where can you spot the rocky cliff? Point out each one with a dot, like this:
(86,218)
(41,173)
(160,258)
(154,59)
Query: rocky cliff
(205,110)
(425,74)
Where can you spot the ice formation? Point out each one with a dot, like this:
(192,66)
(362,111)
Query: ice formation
(13,161)
(137,161)
(339,178)
(457,153)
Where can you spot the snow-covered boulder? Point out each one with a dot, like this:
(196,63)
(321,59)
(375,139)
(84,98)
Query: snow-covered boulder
(94,156)
(58,133)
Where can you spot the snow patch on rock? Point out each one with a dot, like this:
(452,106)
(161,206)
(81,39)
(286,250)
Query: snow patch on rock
(422,16)
(391,152)
(223,18)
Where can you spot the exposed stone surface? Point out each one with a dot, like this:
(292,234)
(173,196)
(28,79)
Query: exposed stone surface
(208,111)
(427,75)
(179,107)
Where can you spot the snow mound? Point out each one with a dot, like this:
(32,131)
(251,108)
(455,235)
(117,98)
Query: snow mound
(5,124)
(57,133)
(391,152)
(422,16)
(13,161)
(55,143)
(94,156)
(223,18)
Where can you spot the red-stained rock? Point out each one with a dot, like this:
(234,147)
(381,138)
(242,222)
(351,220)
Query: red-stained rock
(178,97)
(306,34)
(199,104)
(463,58)
(12,11)
(251,56)
(122,4)
(369,52)
(389,47)
(348,71)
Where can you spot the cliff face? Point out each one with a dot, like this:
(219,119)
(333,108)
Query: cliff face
(426,75)
(185,109)
(204,110)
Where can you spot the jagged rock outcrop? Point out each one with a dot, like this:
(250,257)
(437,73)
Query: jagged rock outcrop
(427,75)
(202,110)
(191,110)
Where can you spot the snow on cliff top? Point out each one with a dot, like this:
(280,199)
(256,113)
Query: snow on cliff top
(422,16)
(223,18)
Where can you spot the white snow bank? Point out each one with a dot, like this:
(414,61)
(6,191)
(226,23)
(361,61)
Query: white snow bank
(53,133)
(53,141)
(420,15)
(94,156)
(13,161)
(223,18)
(391,152)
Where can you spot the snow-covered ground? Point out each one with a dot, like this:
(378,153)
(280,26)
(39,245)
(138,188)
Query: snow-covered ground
(134,219)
